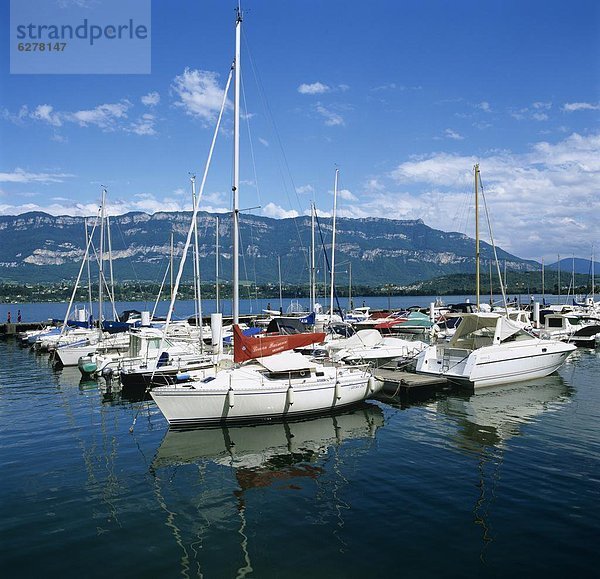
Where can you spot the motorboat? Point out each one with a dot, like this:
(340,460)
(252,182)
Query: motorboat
(579,329)
(488,349)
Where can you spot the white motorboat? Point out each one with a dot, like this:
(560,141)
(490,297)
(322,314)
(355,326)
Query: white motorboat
(69,354)
(488,349)
(578,329)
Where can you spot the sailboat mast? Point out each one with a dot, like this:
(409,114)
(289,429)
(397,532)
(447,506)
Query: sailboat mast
(332,276)
(313,280)
(171,265)
(543,284)
(477,233)
(101,263)
(87,259)
(558,263)
(197,267)
(350,286)
(593,280)
(236,169)
(217,266)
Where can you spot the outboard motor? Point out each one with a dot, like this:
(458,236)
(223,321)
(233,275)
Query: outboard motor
(108,374)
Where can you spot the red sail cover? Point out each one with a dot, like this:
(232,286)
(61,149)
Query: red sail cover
(250,347)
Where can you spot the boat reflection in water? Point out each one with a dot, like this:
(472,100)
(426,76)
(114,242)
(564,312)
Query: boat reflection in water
(491,416)
(268,445)
(487,420)
(216,470)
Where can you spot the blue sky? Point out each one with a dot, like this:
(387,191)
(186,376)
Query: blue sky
(403,97)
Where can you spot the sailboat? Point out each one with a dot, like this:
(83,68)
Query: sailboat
(271,381)
(489,349)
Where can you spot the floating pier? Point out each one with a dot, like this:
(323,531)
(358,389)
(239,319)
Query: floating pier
(408,385)
(11,329)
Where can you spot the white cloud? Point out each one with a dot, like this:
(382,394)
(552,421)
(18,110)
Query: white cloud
(17,118)
(484,106)
(45,113)
(571,107)
(107,117)
(199,94)
(144,125)
(314,88)
(272,210)
(21,176)
(526,194)
(539,116)
(263,142)
(151,99)
(450,134)
(384,87)
(346,194)
(332,119)
(304,189)
(103,116)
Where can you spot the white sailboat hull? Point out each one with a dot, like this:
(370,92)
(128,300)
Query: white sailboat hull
(247,395)
(494,365)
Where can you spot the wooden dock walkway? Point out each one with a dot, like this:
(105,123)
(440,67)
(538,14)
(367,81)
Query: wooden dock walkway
(409,385)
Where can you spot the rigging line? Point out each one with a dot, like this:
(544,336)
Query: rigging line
(160,290)
(247,119)
(191,229)
(502,289)
(271,121)
(246,268)
(138,282)
(87,249)
(337,301)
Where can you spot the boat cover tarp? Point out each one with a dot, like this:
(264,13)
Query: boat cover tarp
(286,326)
(362,338)
(249,348)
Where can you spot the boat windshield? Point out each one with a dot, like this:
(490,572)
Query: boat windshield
(479,330)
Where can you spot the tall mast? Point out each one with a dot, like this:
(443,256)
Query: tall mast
(350,286)
(101,264)
(593,280)
(87,259)
(236,168)
(313,280)
(197,267)
(110,266)
(332,276)
(477,234)
(543,284)
(217,266)
(171,264)
(280,292)
(558,263)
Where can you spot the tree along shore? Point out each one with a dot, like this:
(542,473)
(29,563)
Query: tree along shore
(456,284)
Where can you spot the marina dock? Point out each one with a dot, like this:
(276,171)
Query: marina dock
(13,329)
(408,385)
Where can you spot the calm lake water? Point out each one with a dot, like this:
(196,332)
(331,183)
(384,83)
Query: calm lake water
(498,483)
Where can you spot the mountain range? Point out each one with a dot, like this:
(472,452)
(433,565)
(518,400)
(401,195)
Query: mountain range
(37,247)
